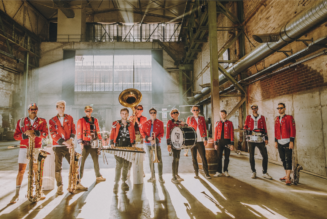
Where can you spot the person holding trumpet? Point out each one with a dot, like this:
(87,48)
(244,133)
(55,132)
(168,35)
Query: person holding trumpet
(152,131)
(174,113)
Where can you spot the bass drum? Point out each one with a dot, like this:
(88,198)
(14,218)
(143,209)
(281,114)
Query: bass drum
(183,137)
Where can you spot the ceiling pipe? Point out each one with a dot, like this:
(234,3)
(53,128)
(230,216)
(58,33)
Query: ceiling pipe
(293,29)
(266,38)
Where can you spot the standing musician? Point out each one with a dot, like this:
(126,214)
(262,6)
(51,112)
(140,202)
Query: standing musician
(88,130)
(62,130)
(174,113)
(156,127)
(284,140)
(224,136)
(138,119)
(199,125)
(28,127)
(122,135)
(257,122)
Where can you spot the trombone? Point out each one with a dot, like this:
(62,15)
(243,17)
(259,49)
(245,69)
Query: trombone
(156,160)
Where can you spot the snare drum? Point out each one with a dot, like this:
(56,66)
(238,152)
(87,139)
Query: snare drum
(183,137)
(96,143)
(256,137)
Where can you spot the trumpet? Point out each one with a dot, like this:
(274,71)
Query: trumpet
(156,160)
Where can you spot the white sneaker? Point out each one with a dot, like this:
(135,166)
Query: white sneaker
(152,180)
(226,174)
(254,175)
(267,176)
(218,174)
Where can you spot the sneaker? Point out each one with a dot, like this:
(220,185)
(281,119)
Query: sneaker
(226,174)
(161,180)
(124,186)
(152,179)
(42,196)
(116,188)
(14,199)
(254,175)
(207,176)
(267,176)
(175,181)
(218,174)
(60,190)
(196,177)
(79,186)
(179,178)
(100,179)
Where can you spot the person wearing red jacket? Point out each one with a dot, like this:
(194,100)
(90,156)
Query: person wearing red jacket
(62,131)
(138,119)
(224,142)
(257,122)
(174,113)
(284,140)
(87,131)
(28,127)
(199,125)
(122,135)
(149,128)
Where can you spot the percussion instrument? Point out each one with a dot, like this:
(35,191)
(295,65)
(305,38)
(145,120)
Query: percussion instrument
(183,137)
(256,137)
(96,143)
(130,154)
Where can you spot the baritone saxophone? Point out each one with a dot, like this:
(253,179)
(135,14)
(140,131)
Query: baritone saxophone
(35,177)
(73,169)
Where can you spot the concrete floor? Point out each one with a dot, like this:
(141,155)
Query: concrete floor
(235,197)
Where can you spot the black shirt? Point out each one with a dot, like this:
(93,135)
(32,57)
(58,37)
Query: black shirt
(136,126)
(222,130)
(92,127)
(123,139)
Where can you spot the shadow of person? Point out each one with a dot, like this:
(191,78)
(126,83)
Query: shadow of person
(167,209)
(194,208)
(70,210)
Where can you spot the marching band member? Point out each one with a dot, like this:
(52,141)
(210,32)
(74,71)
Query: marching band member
(284,140)
(122,135)
(174,113)
(199,125)
(138,119)
(28,127)
(253,122)
(149,127)
(224,136)
(87,130)
(62,130)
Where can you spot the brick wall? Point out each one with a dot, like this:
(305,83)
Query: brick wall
(290,81)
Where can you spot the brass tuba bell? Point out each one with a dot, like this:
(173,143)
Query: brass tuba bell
(130,98)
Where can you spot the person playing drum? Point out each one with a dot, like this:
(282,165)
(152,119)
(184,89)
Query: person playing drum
(174,113)
(87,130)
(257,122)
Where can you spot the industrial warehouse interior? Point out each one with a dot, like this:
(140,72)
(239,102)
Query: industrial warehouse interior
(163,109)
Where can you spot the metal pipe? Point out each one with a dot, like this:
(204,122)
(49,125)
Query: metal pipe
(294,29)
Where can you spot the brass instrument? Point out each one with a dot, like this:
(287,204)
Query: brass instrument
(39,173)
(156,160)
(73,169)
(131,98)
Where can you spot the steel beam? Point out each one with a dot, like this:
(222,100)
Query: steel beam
(236,108)
(230,78)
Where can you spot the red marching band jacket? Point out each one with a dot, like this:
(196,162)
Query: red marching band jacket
(40,128)
(115,132)
(158,129)
(286,129)
(60,133)
(228,131)
(170,125)
(201,124)
(261,124)
(84,129)
(143,119)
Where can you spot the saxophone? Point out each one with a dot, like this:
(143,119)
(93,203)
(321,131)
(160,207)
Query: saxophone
(73,169)
(31,174)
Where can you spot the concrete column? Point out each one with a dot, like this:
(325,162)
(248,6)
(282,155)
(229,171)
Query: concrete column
(26,83)
(214,76)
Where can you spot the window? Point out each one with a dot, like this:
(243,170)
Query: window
(95,73)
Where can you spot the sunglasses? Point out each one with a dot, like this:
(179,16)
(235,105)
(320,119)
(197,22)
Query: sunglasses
(153,113)
(195,110)
(279,108)
(254,108)
(139,109)
(175,113)
(88,111)
(33,109)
